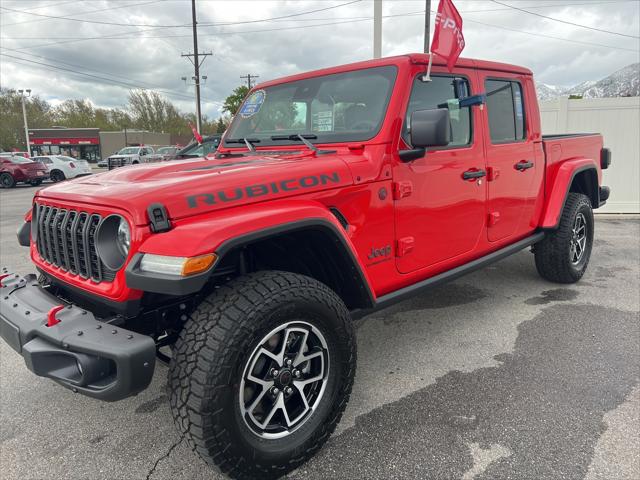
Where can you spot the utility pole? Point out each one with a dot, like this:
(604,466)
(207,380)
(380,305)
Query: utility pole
(24,116)
(248,77)
(427,25)
(196,63)
(377,28)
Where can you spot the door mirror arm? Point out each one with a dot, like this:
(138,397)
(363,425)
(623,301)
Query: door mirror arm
(412,154)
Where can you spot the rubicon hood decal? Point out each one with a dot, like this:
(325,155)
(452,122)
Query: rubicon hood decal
(260,189)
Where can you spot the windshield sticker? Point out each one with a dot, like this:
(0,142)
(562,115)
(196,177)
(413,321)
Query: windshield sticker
(252,105)
(322,121)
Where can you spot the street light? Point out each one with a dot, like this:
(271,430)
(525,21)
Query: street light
(24,115)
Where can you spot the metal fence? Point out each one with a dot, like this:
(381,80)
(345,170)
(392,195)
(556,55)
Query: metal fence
(618,120)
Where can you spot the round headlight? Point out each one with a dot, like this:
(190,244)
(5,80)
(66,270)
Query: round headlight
(113,240)
(123,239)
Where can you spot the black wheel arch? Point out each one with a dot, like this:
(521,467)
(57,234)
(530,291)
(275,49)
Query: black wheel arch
(584,180)
(312,247)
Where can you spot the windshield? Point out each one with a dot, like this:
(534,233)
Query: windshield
(166,150)
(19,159)
(129,151)
(343,107)
(202,150)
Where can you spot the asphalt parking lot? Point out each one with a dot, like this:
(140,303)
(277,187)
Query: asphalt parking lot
(499,375)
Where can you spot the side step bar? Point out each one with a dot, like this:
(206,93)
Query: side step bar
(407,292)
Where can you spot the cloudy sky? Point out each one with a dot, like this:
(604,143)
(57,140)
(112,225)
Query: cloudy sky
(102,48)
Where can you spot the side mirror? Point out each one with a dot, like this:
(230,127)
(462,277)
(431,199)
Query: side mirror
(429,128)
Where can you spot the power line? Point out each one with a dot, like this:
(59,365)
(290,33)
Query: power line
(280,17)
(563,21)
(119,35)
(150,86)
(203,24)
(536,34)
(109,80)
(91,21)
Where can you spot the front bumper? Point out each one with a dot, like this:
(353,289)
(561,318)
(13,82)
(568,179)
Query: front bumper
(80,353)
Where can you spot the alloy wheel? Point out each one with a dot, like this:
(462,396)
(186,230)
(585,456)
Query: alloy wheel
(578,241)
(284,380)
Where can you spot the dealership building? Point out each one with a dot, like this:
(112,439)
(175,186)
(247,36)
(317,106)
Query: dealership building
(90,143)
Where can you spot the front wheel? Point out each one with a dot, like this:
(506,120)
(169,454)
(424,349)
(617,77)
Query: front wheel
(262,372)
(563,255)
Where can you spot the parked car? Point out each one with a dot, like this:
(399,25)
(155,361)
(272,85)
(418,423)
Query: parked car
(130,156)
(103,163)
(61,167)
(165,153)
(252,263)
(18,169)
(194,150)
(15,154)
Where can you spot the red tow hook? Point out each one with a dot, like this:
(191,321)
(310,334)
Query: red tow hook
(51,316)
(2,277)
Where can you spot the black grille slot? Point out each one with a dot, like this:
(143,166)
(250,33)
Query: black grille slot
(67,239)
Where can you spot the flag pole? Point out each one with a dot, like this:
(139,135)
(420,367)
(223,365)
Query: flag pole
(427,32)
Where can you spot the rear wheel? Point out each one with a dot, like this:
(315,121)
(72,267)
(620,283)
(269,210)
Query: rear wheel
(7,181)
(57,176)
(262,372)
(563,255)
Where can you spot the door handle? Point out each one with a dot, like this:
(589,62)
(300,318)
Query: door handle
(471,174)
(523,165)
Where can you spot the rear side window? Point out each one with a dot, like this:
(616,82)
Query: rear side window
(505,108)
(440,93)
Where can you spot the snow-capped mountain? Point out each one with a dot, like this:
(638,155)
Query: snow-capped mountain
(623,83)
(549,92)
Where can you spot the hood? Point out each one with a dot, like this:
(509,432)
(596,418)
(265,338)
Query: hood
(128,155)
(190,187)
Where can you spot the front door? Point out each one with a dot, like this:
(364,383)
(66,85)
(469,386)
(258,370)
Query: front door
(511,158)
(439,214)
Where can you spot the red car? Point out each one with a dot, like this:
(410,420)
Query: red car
(18,169)
(333,194)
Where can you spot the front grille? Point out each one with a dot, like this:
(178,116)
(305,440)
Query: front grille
(115,162)
(67,239)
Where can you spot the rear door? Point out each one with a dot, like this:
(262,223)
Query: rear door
(440,214)
(511,160)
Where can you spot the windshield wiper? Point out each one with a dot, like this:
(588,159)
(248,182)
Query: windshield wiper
(247,141)
(298,137)
(302,137)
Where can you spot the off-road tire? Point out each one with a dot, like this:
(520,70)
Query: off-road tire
(210,355)
(7,180)
(552,254)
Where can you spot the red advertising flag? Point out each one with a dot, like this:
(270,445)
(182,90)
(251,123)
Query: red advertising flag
(448,40)
(196,135)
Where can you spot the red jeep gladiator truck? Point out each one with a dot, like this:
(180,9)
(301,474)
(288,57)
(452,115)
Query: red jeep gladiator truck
(333,193)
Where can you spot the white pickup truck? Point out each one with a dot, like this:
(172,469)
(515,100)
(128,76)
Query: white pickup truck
(130,156)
